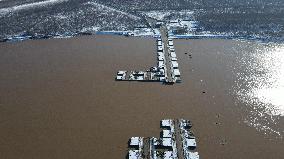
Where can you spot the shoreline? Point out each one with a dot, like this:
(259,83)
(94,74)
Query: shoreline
(19,38)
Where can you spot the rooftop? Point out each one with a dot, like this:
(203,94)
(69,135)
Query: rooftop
(134,154)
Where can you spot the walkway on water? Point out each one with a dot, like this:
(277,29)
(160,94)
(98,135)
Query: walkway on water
(168,69)
(178,139)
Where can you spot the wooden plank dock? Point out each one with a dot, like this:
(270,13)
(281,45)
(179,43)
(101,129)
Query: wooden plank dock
(164,71)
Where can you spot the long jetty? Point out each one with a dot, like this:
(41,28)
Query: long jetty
(167,69)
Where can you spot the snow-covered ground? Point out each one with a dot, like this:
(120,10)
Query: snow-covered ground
(16,8)
(48,18)
(169,14)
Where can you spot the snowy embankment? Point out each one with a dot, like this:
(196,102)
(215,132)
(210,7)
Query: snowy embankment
(67,18)
(8,10)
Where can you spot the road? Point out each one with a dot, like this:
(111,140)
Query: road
(178,140)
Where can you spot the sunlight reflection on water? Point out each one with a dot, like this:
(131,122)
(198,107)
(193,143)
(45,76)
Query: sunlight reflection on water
(260,84)
(271,86)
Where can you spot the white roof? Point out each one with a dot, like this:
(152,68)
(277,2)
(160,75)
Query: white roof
(160,43)
(185,123)
(167,122)
(140,78)
(161,63)
(163,142)
(190,143)
(173,54)
(161,54)
(155,141)
(134,154)
(167,133)
(136,141)
(168,155)
(162,78)
(175,64)
(160,48)
(119,77)
(188,134)
(161,58)
(176,72)
(174,21)
(191,155)
(138,73)
(171,42)
(121,72)
(174,59)
(166,142)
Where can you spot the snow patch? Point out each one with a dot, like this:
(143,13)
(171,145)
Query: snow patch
(5,11)
(103,7)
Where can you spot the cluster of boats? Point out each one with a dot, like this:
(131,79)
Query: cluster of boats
(176,141)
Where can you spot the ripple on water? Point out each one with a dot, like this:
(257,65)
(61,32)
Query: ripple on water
(260,85)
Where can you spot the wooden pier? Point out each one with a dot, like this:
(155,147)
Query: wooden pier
(176,142)
(166,71)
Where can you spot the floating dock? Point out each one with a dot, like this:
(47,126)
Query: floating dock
(167,69)
(176,142)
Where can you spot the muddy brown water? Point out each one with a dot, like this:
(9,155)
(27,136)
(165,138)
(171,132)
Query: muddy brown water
(59,99)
